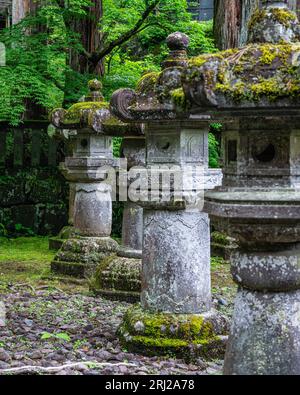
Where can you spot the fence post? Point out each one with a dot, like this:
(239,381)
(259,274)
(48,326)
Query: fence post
(52,152)
(36,147)
(2,147)
(18,147)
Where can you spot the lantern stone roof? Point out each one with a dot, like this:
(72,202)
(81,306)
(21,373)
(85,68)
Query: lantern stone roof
(263,76)
(92,112)
(157,93)
(257,76)
(81,114)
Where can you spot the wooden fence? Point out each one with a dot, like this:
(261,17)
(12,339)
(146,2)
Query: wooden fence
(29,146)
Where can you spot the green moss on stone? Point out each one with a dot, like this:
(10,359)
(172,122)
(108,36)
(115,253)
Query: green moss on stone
(160,343)
(283,16)
(75,112)
(202,59)
(97,281)
(282,79)
(147,82)
(220,238)
(280,15)
(118,273)
(161,325)
(257,17)
(186,336)
(113,121)
(179,97)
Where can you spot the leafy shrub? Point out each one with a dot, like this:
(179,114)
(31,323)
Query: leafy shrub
(214,151)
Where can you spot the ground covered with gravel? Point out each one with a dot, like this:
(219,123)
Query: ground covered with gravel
(75,334)
(55,325)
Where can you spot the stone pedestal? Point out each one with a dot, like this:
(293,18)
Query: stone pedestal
(176,262)
(176,312)
(120,278)
(265,334)
(132,226)
(265,338)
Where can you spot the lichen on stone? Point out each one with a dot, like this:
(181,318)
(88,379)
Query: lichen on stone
(256,72)
(179,98)
(76,112)
(280,15)
(147,82)
(182,335)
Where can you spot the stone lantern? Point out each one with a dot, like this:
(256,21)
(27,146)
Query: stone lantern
(176,312)
(120,276)
(91,154)
(256,92)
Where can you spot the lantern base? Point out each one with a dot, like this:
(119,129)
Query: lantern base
(119,277)
(55,243)
(80,256)
(185,336)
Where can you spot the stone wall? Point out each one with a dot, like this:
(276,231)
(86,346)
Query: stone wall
(32,201)
(33,193)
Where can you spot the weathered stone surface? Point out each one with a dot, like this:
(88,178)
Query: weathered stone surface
(67,232)
(275,272)
(93,210)
(274,25)
(118,277)
(265,335)
(186,335)
(80,256)
(222,245)
(90,197)
(176,262)
(176,242)
(259,201)
(132,226)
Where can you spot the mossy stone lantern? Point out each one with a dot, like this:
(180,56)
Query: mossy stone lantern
(90,151)
(256,90)
(176,313)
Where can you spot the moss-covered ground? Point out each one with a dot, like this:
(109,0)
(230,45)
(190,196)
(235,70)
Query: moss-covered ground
(26,261)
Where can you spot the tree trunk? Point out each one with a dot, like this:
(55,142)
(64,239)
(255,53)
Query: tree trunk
(20,8)
(231,20)
(90,39)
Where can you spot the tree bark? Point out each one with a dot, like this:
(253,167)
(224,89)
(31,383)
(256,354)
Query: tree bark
(90,39)
(20,8)
(231,22)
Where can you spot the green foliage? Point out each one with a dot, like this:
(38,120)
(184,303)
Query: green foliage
(37,70)
(3,230)
(214,153)
(59,336)
(34,65)
(125,73)
(117,142)
(21,230)
(145,51)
